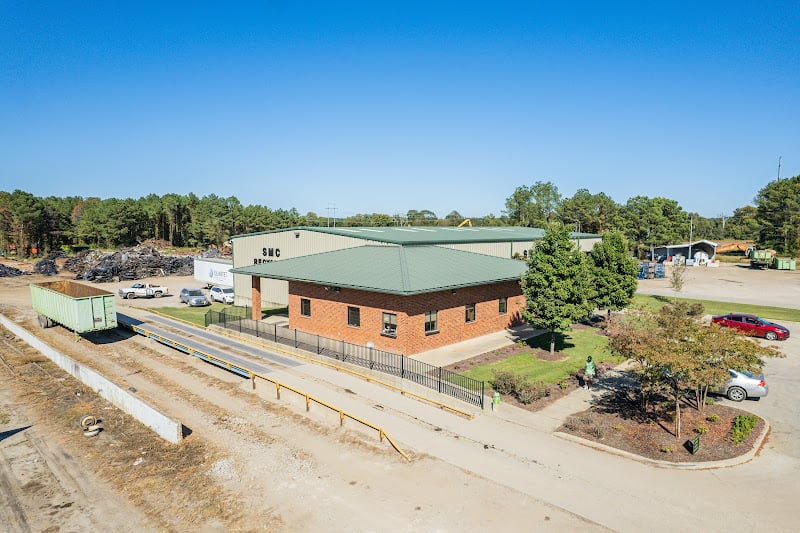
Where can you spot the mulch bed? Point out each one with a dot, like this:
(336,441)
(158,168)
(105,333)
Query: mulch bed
(621,424)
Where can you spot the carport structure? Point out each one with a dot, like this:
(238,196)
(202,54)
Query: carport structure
(687,250)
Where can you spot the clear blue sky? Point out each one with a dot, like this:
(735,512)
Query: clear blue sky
(378,107)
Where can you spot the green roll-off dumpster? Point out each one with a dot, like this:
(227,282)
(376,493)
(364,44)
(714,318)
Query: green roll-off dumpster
(81,308)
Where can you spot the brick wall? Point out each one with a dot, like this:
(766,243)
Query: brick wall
(329,315)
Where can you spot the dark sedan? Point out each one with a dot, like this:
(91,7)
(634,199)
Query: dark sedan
(752,325)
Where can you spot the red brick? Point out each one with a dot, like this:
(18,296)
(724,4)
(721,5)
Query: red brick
(329,315)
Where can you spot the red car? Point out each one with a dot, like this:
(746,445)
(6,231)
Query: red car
(752,325)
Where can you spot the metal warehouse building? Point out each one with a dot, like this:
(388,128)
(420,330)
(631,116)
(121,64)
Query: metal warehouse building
(271,246)
(400,289)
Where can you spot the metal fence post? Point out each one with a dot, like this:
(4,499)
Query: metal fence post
(318,352)
(295,337)
(440,380)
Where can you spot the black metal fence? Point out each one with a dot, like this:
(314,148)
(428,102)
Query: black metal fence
(433,377)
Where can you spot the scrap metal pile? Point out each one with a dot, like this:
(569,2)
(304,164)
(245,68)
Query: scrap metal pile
(7,271)
(47,266)
(130,263)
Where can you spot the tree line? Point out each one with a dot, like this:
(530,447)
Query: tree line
(51,223)
(773,222)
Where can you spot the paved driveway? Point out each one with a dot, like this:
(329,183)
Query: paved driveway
(782,406)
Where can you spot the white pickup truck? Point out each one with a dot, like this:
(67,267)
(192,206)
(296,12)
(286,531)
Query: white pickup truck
(143,290)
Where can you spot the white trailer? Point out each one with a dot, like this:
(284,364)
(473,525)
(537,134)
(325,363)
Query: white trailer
(213,271)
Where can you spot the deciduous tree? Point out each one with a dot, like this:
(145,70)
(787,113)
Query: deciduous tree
(674,352)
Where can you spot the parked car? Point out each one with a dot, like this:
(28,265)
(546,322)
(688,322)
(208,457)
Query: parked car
(742,385)
(752,325)
(222,294)
(194,297)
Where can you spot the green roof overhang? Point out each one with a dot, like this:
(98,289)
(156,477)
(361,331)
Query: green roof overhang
(402,270)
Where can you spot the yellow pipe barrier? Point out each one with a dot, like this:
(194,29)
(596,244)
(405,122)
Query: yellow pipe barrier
(366,377)
(342,413)
(402,391)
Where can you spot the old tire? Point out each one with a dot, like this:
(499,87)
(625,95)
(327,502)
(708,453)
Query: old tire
(736,394)
(88,420)
(91,433)
(771,336)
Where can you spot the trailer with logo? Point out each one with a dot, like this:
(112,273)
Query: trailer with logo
(213,272)
(81,308)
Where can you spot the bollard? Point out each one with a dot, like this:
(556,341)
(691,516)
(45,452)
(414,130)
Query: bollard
(495,401)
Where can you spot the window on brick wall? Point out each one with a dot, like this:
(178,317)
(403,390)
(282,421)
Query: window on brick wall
(469,313)
(431,322)
(354,316)
(389,325)
(305,307)
(503,306)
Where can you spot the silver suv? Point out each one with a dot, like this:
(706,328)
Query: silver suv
(221,294)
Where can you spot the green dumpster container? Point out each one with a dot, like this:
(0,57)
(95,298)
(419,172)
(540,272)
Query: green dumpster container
(783,263)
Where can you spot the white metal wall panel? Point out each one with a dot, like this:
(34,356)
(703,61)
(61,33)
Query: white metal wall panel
(495,249)
(586,245)
(521,248)
(288,244)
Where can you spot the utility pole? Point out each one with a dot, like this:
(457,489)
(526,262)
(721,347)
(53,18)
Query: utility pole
(329,215)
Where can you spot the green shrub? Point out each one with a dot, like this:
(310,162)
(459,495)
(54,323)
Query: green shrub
(710,401)
(696,309)
(712,418)
(563,385)
(666,449)
(505,382)
(743,425)
(528,392)
(701,429)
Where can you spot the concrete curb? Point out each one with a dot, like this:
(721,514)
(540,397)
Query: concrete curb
(164,426)
(707,465)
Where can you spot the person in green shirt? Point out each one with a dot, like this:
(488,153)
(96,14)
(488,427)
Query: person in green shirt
(589,372)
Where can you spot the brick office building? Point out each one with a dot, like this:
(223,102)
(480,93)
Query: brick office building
(402,299)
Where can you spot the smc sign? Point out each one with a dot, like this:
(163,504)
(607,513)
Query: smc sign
(266,253)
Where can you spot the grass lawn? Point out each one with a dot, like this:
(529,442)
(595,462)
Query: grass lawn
(574,346)
(654,303)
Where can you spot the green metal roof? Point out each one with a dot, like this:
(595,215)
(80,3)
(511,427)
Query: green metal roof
(403,270)
(433,234)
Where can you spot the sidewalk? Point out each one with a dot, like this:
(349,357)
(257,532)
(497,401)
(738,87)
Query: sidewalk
(453,353)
